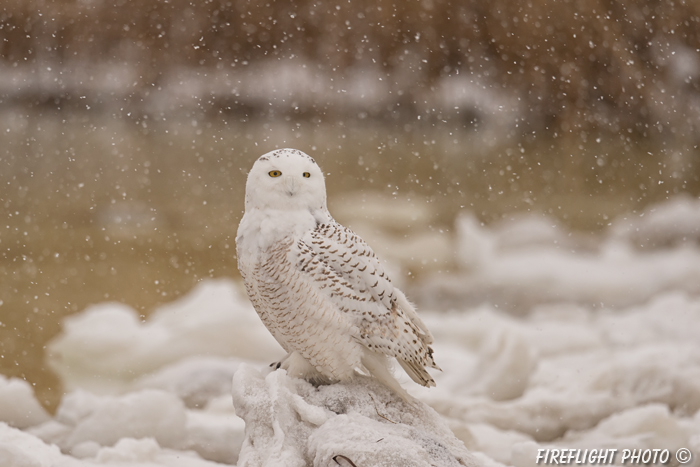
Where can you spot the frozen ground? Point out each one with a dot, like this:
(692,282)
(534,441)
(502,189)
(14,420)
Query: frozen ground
(546,340)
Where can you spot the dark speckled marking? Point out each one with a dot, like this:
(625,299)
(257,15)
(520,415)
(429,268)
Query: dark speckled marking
(287,152)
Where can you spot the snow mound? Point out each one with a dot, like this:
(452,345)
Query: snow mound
(85,421)
(196,380)
(673,222)
(525,261)
(650,426)
(21,449)
(18,407)
(289,422)
(89,426)
(106,347)
(557,369)
(568,376)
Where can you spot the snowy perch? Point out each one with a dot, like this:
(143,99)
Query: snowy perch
(289,422)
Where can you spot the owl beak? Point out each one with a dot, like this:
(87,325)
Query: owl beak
(291,187)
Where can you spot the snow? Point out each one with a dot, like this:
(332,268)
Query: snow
(547,339)
(87,426)
(289,422)
(617,362)
(674,222)
(107,347)
(531,260)
(18,407)
(21,449)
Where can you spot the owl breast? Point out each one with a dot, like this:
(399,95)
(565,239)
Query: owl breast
(300,318)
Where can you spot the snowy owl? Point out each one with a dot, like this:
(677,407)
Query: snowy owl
(317,286)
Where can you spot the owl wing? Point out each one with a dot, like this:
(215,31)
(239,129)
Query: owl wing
(349,274)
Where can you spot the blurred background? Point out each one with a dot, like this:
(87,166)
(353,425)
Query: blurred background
(127,129)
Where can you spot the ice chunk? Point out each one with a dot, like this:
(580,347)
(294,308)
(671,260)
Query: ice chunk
(143,453)
(505,365)
(474,246)
(106,347)
(196,380)
(105,420)
(215,435)
(645,427)
(496,443)
(589,365)
(20,449)
(129,450)
(18,407)
(517,279)
(522,230)
(145,414)
(649,427)
(673,222)
(86,424)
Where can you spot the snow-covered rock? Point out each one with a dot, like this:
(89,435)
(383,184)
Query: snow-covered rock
(289,422)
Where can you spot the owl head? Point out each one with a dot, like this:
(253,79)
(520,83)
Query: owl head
(285,179)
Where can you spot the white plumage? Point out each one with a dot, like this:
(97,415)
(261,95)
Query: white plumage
(317,286)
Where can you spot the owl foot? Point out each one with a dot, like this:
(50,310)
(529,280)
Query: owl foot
(297,366)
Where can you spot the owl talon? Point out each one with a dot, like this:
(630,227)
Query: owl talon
(276,365)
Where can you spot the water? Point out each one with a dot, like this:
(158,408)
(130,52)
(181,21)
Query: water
(129,209)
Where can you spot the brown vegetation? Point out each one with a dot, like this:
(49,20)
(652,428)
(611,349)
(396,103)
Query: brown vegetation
(575,64)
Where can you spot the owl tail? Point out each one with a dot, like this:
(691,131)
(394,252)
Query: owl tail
(378,366)
(418,373)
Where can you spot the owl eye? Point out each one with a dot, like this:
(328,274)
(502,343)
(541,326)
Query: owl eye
(306,174)
(274,173)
